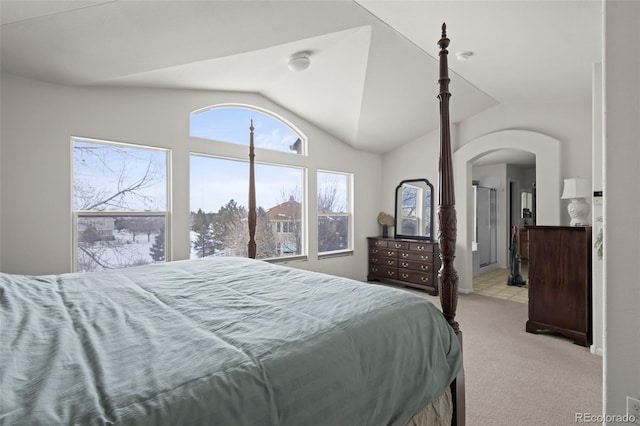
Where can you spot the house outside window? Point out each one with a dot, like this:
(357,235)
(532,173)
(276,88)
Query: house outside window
(334,211)
(286,219)
(120,205)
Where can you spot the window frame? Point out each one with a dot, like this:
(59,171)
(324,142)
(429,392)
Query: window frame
(349,214)
(76,215)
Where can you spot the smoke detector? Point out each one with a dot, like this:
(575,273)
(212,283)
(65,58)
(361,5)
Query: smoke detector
(463,56)
(299,61)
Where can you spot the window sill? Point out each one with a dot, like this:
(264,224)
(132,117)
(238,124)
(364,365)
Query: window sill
(331,254)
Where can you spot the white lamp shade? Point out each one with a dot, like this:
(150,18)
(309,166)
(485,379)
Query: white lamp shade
(576,188)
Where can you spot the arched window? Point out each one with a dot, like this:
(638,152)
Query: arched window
(228,123)
(219,186)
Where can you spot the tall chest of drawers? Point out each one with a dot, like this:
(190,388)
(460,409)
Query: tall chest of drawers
(403,262)
(560,281)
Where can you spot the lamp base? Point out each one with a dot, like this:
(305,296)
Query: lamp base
(578,211)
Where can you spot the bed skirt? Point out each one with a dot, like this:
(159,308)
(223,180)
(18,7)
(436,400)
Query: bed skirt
(437,413)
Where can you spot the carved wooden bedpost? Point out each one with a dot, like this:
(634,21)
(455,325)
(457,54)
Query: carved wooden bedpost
(252,197)
(447,276)
(447,231)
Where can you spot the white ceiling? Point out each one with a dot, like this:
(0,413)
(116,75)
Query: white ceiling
(373,75)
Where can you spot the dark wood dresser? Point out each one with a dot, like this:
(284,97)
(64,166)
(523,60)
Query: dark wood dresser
(560,281)
(413,263)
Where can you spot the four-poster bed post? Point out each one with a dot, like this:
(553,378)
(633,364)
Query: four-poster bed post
(447,230)
(252,197)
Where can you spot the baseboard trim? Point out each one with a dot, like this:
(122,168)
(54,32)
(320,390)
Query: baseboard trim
(465,291)
(596,350)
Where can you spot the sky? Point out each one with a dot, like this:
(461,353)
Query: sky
(231,124)
(215,181)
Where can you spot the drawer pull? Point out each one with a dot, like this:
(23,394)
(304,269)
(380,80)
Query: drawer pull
(420,247)
(390,253)
(404,254)
(390,262)
(425,279)
(374,269)
(405,276)
(374,260)
(374,251)
(390,273)
(424,257)
(424,267)
(405,264)
(396,245)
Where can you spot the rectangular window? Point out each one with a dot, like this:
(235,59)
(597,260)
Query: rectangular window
(120,204)
(219,217)
(334,212)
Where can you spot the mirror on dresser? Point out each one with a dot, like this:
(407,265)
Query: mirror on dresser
(414,209)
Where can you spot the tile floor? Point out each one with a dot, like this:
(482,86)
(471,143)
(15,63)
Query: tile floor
(494,284)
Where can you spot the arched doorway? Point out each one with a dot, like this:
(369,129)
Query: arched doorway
(547,152)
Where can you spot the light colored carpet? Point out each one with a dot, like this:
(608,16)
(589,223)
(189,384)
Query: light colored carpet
(517,378)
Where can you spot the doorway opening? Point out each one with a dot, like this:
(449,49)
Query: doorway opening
(547,153)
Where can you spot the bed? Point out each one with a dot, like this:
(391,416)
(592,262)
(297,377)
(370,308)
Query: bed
(233,341)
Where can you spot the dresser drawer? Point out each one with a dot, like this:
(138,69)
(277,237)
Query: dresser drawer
(383,272)
(377,243)
(416,277)
(383,252)
(417,256)
(421,247)
(415,266)
(400,245)
(383,261)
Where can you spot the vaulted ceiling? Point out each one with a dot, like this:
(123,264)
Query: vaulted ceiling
(372,81)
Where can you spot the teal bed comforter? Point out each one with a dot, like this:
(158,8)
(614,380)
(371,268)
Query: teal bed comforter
(217,341)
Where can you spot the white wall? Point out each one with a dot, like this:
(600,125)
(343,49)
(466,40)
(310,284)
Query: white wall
(569,122)
(621,109)
(38,120)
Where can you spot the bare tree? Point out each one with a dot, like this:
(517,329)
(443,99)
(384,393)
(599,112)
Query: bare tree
(328,200)
(265,240)
(109,177)
(333,228)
